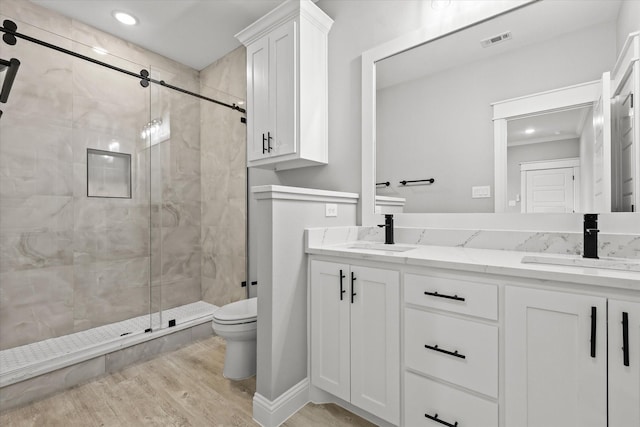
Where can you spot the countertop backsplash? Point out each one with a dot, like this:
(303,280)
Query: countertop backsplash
(609,245)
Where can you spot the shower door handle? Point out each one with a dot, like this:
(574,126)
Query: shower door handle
(264,148)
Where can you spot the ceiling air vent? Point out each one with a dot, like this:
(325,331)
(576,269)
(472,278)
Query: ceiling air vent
(490,41)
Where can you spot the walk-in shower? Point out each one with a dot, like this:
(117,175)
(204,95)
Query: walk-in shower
(114,192)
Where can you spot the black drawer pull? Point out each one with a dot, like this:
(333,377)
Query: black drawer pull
(625,338)
(353,279)
(436,294)
(594,314)
(450,353)
(342,291)
(438,420)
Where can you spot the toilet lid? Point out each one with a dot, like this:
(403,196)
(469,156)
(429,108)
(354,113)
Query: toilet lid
(236,311)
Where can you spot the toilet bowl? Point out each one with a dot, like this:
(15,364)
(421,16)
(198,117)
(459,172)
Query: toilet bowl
(237,324)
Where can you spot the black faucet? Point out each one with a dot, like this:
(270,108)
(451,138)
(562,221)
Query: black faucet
(590,236)
(388,229)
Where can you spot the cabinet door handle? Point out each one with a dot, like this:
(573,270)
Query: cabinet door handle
(264,147)
(342,291)
(450,353)
(438,420)
(436,294)
(594,316)
(353,279)
(625,338)
(269,138)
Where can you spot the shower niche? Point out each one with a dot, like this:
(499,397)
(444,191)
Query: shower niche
(108,174)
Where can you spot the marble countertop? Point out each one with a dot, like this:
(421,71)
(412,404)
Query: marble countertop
(490,261)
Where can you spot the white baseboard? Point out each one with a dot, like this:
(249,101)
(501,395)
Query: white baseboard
(269,413)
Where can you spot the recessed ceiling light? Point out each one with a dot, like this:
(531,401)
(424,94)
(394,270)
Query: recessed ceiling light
(529,131)
(125,18)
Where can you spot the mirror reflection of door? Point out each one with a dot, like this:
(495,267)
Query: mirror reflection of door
(624,151)
(551,186)
(600,201)
(546,155)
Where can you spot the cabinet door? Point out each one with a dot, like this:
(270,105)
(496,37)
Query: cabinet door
(257,99)
(624,363)
(555,374)
(330,353)
(282,107)
(375,342)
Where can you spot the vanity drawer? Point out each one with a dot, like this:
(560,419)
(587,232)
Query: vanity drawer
(423,396)
(458,296)
(474,366)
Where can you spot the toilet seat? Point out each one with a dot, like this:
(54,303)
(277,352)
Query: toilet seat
(243,311)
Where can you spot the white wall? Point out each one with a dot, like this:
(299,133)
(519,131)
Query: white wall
(440,126)
(628,21)
(532,152)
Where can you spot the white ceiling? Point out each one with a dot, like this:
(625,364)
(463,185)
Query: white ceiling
(532,24)
(555,126)
(193,32)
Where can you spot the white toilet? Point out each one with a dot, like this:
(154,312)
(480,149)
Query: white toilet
(237,324)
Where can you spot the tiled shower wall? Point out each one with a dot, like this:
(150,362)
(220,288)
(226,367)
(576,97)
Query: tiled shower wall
(68,262)
(224,181)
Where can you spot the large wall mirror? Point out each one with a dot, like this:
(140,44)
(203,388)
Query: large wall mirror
(527,112)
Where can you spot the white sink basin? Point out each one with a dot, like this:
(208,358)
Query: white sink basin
(380,247)
(577,261)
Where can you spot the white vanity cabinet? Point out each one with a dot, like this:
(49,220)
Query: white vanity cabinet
(624,363)
(287,87)
(442,346)
(555,358)
(354,335)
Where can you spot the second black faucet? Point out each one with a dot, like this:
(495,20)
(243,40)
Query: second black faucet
(388,229)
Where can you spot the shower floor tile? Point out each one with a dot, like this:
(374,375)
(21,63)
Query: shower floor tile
(42,351)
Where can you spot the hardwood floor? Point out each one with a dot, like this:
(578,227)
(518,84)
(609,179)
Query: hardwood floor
(181,388)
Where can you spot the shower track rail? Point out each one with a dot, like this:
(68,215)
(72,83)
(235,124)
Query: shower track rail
(9,28)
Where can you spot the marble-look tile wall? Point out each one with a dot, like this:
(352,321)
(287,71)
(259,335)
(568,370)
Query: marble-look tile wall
(224,181)
(68,262)
(175,193)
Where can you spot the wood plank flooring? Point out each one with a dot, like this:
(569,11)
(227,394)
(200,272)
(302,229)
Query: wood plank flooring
(181,388)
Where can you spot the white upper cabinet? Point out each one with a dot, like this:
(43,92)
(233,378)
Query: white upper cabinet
(287,87)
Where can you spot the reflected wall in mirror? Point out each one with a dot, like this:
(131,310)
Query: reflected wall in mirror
(435,115)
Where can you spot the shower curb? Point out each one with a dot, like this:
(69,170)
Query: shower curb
(28,384)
